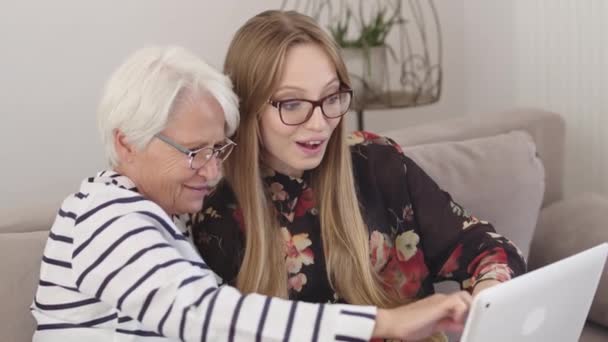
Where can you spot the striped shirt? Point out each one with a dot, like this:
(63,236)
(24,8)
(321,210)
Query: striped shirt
(117,268)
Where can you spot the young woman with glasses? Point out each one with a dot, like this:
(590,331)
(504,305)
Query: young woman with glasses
(303,215)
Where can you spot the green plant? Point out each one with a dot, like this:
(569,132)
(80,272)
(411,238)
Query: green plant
(372,32)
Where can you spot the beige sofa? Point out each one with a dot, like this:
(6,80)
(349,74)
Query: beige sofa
(484,164)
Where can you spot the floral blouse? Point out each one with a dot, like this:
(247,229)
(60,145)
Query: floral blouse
(417,234)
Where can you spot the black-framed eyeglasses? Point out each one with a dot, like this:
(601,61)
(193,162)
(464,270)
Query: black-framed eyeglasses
(295,112)
(200,157)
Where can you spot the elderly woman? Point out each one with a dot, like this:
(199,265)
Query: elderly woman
(117,268)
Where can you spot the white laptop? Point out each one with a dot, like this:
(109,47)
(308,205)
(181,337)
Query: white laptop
(549,304)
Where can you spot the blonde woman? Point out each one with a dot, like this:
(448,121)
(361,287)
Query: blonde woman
(305,216)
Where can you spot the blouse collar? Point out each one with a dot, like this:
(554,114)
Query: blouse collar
(285,190)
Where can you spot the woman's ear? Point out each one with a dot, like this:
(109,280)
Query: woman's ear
(124,150)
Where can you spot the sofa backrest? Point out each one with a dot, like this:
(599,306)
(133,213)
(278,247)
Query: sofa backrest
(20,255)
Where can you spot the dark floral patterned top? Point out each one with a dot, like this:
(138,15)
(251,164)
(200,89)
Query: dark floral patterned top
(417,234)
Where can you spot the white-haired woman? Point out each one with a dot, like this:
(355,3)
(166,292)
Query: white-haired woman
(117,268)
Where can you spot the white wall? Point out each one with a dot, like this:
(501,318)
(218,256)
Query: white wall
(489,56)
(550,54)
(563,67)
(57,54)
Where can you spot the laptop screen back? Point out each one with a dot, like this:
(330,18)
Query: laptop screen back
(548,304)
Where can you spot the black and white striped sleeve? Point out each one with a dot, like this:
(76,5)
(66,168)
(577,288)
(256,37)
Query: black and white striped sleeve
(130,263)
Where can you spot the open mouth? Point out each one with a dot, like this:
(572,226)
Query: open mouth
(311,144)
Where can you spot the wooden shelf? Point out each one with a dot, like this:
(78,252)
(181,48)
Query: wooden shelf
(393,99)
(390,100)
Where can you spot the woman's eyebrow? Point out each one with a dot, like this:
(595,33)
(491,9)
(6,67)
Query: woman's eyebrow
(296,88)
(331,83)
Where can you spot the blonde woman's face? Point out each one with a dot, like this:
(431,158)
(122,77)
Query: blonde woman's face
(308,73)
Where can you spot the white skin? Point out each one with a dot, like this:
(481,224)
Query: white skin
(302,79)
(162,173)
(309,73)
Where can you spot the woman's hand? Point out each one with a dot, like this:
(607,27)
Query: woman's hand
(424,317)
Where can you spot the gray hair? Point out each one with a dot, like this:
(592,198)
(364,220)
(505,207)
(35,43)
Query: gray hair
(142,93)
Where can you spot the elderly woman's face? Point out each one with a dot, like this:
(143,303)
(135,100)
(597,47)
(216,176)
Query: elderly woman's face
(163,172)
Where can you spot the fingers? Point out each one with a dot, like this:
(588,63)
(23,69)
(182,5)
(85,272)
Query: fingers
(438,312)
(458,306)
(447,325)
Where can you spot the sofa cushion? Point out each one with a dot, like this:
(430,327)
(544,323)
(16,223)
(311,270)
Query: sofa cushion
(547,129)
(29,218)
(20,256)
(568,227)
(497,178)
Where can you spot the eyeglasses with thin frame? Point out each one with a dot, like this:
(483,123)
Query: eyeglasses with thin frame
(295,112)
(200,157)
